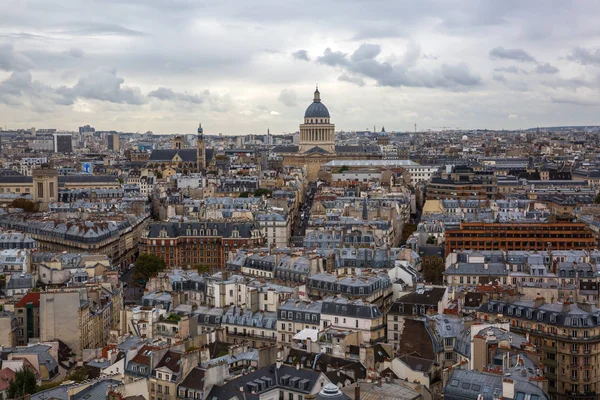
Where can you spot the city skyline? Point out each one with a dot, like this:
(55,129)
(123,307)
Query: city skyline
(139,66)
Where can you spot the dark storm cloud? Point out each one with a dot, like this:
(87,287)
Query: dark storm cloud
(520,55)
(301,55)
(363,64)
(585,56)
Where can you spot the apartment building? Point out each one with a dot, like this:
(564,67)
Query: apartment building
(356,315)
(568,336)
(520,236)
(295,315)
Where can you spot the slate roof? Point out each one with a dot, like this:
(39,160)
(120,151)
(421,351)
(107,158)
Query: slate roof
(357,149)
(557,314)
(425,297)
(167,155)
(224,229)
(19,179)
(265,379)
(316,150)
(466,385)
(62,179)
(285,149)
(354,308)
(194,379)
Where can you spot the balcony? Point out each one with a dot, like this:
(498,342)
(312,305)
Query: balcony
(550,349)
(550,362)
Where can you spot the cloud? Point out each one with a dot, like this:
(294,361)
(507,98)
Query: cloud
(366,52)
(20,89)
(357,80)
(363,64)
(379,32)
(520,55)
(546,69)
(288,98)
(333,58)
(301,55)
(585,56)
(10,60)
(103,84)
(569,83)
(499,78)
(510,70)
(89,28)
(167,94)
(513,116)
(577,101)
(75,52)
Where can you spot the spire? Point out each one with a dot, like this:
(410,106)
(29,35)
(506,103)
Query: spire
(317,98)
(365,211)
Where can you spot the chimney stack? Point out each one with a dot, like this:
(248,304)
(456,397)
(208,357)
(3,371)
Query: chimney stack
(357,392)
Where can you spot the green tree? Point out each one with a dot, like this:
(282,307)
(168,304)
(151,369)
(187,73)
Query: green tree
(433,268)
(261,191)
(597,198)
(146,266)
(431,240)
(78,375)
(26,205)
(202,268)
(24,383)
(243,195)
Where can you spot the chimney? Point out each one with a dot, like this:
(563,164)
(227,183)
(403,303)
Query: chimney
(278,363)
(485,265)
(508,388)
(585,306)
(357,392)
(297,366)
(566,307)
(539,301)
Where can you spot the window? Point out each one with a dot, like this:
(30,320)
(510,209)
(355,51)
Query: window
(454,382)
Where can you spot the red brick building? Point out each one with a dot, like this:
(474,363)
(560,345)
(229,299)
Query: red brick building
(185,244)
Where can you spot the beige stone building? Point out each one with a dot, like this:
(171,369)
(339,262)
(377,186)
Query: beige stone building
(317,142)
(81,317)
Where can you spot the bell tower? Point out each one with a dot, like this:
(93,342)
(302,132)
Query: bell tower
(200,148)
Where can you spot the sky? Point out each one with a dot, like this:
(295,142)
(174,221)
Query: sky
(244,67)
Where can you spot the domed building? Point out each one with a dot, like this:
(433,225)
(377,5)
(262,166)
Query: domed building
(331,392)
(317,142)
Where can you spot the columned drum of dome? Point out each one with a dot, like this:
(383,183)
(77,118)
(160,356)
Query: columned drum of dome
(317,131)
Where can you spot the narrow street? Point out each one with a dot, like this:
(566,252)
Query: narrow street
(299,228)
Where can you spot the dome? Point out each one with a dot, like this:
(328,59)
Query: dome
(317,109)
(465,138)
(331,392)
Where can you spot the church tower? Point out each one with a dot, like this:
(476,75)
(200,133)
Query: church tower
(178,142)
(317,131)
(200,149)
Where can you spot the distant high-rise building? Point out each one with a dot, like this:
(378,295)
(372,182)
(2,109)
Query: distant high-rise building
(86,129)
(63,143)
(113,141)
